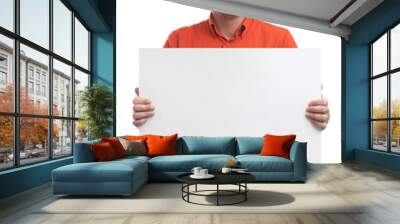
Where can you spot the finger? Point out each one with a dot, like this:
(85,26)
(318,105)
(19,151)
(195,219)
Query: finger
(143,108)
(141,100)
(318,102)
(139,123)
(142,115)
(137,91)
(318,109)
(321,125)
(317,117)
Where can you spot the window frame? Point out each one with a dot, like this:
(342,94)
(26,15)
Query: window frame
(388,74)
(3,74)
(6,61)
(16,115)
(3,70)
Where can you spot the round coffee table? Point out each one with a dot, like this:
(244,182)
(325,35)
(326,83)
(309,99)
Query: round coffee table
(238,179)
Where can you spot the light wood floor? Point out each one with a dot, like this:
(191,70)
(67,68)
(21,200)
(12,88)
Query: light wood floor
(378,188)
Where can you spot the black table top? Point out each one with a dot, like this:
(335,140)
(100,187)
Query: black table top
(220,178)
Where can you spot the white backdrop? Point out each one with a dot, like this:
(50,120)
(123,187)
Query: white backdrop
(147,24)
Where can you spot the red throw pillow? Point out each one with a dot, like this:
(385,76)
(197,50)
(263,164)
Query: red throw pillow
(277,145)
(161,145)
(103,152)
(116,145)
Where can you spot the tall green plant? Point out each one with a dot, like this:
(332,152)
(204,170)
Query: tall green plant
(96,103)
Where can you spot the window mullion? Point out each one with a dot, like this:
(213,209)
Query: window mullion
(50,81)
(90,58)
(16,84)
(389,101)
(73,82)
(371,141)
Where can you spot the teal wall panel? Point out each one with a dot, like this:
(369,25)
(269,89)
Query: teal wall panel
(24,178)
(104,54)
(103,64)
(102,59)
(380,159)
(357,99)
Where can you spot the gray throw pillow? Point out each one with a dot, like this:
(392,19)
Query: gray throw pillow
(134,147)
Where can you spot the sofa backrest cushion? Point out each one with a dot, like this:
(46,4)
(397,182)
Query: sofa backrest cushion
(192,145)
(83,153)
(249,145)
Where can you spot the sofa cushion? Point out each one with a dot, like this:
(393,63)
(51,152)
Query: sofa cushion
(196,145)
(257,163)
(249,145)
(185,163)
(111,171)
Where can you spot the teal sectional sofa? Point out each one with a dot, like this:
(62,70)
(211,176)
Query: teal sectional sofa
(125,176)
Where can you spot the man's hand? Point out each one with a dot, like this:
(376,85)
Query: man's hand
(142,109)
(318,113)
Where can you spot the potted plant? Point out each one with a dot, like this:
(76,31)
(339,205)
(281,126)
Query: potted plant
(96,103)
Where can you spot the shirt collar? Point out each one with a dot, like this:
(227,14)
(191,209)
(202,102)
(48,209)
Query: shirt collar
(241,31)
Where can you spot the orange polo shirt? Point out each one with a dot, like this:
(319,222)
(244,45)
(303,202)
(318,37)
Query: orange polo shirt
(251,34)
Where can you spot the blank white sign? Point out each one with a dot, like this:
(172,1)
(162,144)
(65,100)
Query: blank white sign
(232,92)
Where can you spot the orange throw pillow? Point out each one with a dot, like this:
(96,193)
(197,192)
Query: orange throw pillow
(116,145)
(277,145)
(136,138)
(103,152)
(161,145)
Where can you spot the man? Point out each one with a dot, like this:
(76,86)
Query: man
(228,31)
